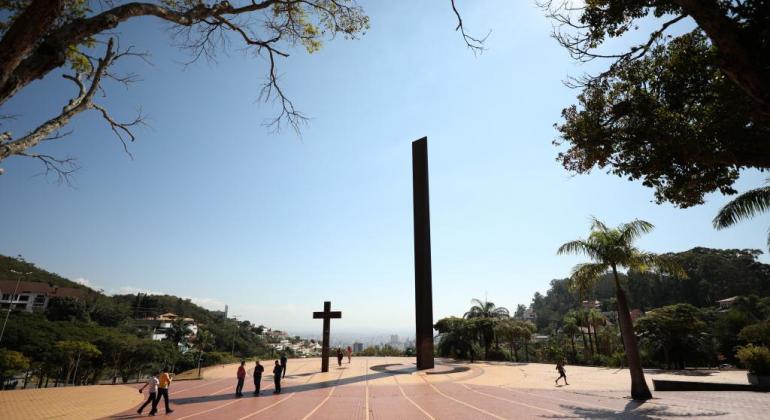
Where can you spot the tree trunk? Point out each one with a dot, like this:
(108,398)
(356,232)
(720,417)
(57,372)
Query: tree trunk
(639,388)
(585,344)
(596,340)
(590,342)
(572,341)
(736,58)
(25,32)
(526,350)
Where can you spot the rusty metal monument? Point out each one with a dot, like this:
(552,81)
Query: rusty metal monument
(423,293)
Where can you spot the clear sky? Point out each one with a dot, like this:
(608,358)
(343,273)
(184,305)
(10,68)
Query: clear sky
(216,208)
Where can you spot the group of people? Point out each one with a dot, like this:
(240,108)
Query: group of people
(340,355)
(279,372)
(158,387)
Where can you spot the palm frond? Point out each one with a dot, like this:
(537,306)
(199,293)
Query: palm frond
(598,225)
(577,246)
(744,206)
(585,276)
(631,231)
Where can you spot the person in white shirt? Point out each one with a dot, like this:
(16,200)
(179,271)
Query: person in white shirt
(152,383)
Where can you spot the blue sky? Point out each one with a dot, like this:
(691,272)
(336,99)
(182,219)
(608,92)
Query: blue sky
(215,207)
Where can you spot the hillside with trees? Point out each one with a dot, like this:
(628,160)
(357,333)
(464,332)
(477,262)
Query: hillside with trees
(105,337)
(678,321)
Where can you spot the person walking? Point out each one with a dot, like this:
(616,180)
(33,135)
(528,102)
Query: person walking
(350,353)
(258,369)
(164,382)
(339,356)
(277,377)
(241,377)
(283,363)
(152,383)
(562,373)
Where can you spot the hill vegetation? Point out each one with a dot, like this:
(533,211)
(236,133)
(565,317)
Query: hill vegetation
(107,337)
(680,323)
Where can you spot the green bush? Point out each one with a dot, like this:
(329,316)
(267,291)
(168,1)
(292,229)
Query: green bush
(755,358)
(497,355)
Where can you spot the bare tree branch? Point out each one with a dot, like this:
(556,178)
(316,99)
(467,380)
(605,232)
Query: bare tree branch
(63,168)
(475,44)
(83,101)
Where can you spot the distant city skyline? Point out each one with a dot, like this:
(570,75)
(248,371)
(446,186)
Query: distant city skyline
(215,208)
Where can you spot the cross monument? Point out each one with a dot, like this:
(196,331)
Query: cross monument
(326,315)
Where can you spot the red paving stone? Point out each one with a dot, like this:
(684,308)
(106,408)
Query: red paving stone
(355,392)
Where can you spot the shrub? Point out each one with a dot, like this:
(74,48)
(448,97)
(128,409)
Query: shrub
(755,358)
(497,354)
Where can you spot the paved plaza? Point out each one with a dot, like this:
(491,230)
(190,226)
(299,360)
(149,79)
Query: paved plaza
(389,388)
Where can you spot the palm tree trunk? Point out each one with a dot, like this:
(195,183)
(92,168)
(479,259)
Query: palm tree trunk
(588,326)
(639,388)
(596,340)
(585,344)
(572,341)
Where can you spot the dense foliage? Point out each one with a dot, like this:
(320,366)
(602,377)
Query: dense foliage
(684,111)
(106,337)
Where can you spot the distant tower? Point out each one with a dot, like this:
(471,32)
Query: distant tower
(225,312)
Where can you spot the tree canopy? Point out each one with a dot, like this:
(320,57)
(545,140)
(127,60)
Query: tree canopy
(683,113)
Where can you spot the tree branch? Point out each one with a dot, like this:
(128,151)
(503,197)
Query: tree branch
(736,60)
(475,44)
(21,38)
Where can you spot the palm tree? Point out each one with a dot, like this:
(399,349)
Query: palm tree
(745,206)
(571,330)
(596,319)
(486,313)
(486,309)
(611,249)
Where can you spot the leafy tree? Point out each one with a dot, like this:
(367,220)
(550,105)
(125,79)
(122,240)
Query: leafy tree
(682,112)
(756,359)
(66,309)
(758,333)
(520,310)
(75,351)
(677,330)
(514,331)
(11,362)
(459,337)
(611,249)
(745,206)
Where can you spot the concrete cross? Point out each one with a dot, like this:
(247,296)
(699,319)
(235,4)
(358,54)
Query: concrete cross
(326,315)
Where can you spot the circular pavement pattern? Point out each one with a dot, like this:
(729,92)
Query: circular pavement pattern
(390,388)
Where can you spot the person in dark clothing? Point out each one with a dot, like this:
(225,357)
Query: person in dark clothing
(283,363)
(277,370)
(258,369)
(241,377)
(339,356)
(562,373)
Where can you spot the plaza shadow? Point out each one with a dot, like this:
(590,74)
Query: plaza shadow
(632,410)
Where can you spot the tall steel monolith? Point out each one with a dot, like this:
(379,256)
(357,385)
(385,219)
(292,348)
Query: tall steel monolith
(423,293)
